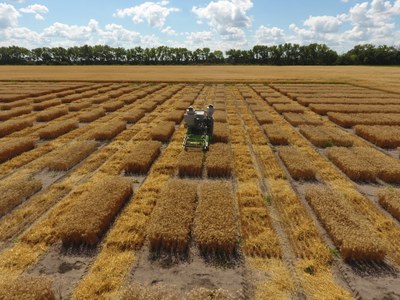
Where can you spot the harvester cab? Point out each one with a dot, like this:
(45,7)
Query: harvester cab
(199,124)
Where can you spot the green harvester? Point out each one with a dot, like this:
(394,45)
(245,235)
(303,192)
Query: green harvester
(200,125)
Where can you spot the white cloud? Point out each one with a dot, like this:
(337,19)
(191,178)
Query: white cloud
(227,17)
(324,24)
(168,30)
(269,35)
(154,13)
(20,36)
(198,39)
(71,32)
(37,9)
(368,22)
(8,16)
(117,35)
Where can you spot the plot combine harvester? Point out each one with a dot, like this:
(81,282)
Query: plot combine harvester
(199,124)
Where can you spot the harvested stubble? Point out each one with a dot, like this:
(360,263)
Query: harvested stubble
(19,111)
(389,199)
(171,221)
(11,126)
(156,292)
(14,190)
(218,161)
(323,109)
(275,134)
(46,104)
(15,147)
(141,157)
(301,119)
(175,116)
(92,209)
(263,118)
(11,105)
(163,131)
(323,136)
(380,135)
(349,120)
(113,105)
(220,116)
(351,231)
(133,116)
(51,114)
(24,287)
(190,163)
(148,106)
(215,228)
(109,131)
(66,157)
(91,115)
(289,107)
(79,105)
(299,165)
(55,130)
(220,133)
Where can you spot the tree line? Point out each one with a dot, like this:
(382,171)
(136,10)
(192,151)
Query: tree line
(284,54)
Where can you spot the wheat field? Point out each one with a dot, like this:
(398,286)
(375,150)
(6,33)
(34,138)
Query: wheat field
(297,196)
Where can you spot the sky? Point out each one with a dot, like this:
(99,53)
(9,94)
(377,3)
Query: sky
(217,24)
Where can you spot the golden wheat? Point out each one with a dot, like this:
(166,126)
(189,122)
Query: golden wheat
(350,231)
(215,228)
(389,199)
(299,165)
(171,221)
(94,208)
(141,156)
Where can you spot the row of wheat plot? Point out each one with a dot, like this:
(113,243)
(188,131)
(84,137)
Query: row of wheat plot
(207,207)
(349,229)
(365,164)
(217,162)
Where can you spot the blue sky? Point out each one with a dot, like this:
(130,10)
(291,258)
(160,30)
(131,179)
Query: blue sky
(218,24)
